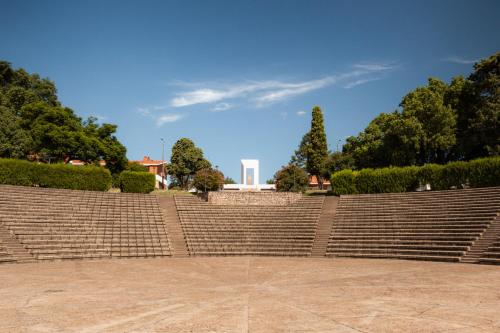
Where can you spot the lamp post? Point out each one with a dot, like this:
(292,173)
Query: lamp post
(338,141)
(162,163)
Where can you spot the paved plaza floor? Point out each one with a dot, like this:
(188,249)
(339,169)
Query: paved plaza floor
(249,295)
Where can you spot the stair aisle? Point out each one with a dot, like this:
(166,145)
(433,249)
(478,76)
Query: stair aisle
(324,228)
(177,242)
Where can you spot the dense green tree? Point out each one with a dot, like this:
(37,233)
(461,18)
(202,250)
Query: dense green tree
(299,158)
(423,132)
(317,150)
(15,142)
(389,139)
(229,180)
(291,178)
(437,119)
(34,125)
(402,140)
(338,161)
(480,132)
(186,160)
(136,167)
(208,180)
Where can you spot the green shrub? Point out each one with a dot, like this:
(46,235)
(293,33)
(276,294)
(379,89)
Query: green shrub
(430,174)
(387,180)
(453,175)
(291,178)
(16,172)
(484,172)
(343,182)
(24,173)
(137,182)
(477,173)
(208,180)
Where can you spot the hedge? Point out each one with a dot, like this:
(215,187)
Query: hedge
(137,182)
(482,172)
(386,180)
(344,182)
(24,173)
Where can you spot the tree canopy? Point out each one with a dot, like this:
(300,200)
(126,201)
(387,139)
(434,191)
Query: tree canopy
(35,126)
(312,152)
(229,180)
(317,150)
(208,180)
(436,123)
(291,178)
(186,160)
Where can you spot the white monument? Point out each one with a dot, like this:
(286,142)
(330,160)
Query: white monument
(249,178)
(250,172)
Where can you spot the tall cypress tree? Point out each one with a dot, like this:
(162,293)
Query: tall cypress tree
(317,149)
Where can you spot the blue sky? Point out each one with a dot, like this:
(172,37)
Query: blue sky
(240,77)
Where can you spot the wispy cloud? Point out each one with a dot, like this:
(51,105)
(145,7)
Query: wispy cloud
(266,92)
(360,81)
(167,118)
(283,91)
(221,107)
(224,95)
(375,67)
(460,60)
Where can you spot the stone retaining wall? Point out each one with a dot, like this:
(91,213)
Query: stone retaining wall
(252,198)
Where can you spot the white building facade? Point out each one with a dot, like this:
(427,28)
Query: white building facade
(250,178)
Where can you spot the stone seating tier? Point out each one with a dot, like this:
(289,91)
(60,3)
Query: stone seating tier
(439,225)
(257,230)
(67,224)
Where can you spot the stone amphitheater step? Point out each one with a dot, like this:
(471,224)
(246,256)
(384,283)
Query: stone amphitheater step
(490,244)
(398,256)
(67,224)
(12,246)
(214,229)
(324,227)
(484,242)
(440,225)
(176,236)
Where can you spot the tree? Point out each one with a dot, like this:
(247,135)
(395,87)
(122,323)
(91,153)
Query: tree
(136,167)
(423,132)
(299,158)
(270,181)
(15,142)
(338,161)
(208,180)
(438,121)
(229,180)
(389,139)
(186,160)
(317,151)
(291,178)
(35,125)
(480,132)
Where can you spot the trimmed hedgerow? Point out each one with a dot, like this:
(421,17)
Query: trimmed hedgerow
(16,172)
(477,173)
(484,172)
(137,182)
(344,182)
(386,180)
(24,173)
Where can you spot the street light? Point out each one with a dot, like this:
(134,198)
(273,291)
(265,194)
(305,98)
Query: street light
(162,163)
